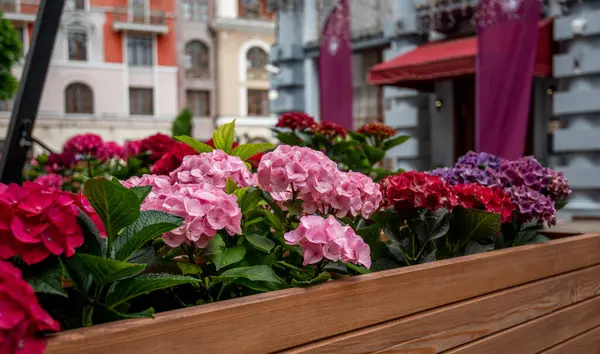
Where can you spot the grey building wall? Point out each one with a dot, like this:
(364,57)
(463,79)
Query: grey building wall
(577,104)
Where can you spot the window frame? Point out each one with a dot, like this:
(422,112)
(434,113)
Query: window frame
(72,106)
(76,32)
(138,100)
(263,11)
(252,96)
(203,69)
(201,8)
(133,44)
(193,97)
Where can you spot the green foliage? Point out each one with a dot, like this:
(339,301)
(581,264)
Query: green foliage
(224,136)
(10,53)
(182,125)
(200,147)
(246,151)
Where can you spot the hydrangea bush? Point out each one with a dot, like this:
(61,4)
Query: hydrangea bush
(211,229)
(359,151)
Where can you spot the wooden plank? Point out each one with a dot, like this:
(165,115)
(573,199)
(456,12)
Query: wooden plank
(280,320)
(540,333)
(450,326)
(587,342)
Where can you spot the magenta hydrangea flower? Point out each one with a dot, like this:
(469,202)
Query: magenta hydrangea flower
(51,180)
(113,150)
(532,205)
(85,144)
(327,238)
(300,172)
(214,168)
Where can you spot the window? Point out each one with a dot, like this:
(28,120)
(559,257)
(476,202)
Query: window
(258,103)
(139,10)
(77,45)
(195,10)
(257,58)
(198,103)
(254,9)
(139,50)
(79,99)
(76,5)
(141,101)
(197,59)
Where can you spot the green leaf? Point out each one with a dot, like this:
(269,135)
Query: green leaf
(194,144)
(288,138)
(475,247)
(145,255)
(189,269)
(103,270)
(275,221)
(141,192)
(223,256)
(240,193)
(223,137)
(321,278)
(246,151)
(259,273)
(395,141)
(109,315)
(374,154)
(358,136)
(116,205)
(358,269)
(150,225)
(474,224)
(431,228)
(127,289)
(261,242)
(231,186)
(250,199)
(96,244)
(336,267)
(49,282)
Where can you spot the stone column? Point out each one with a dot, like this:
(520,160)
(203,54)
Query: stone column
(406,110)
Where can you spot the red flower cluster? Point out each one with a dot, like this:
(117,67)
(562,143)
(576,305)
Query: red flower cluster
(157,145)
(411,190)
(254,160)
(295,121)
(113,150)
(492,199)
(36,222)
(60,161)
(21,317)
(330,130)
(85,144)
(172,159)
(378,130)
(132,148)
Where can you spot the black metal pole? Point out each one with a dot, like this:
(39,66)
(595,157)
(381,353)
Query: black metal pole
(18,140)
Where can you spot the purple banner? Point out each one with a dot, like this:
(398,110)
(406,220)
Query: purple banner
(506,50)
(335,68)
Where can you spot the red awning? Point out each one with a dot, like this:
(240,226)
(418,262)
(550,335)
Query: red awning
(448,59)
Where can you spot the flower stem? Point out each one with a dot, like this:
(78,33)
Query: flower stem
(89,167)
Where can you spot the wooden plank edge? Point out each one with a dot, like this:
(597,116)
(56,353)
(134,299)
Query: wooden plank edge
(589,340)
(540,333)
(450,326)
(429,285)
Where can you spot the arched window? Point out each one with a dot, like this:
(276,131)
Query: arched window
(197,59)
(257,58)
(79,99)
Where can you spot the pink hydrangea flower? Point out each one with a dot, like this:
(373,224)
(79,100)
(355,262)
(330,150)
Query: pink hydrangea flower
(327,238)
(309,175)
(214,168)
(85,144)
(205,208)
(51,180)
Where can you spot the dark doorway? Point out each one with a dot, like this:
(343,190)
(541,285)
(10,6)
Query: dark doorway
(464,116)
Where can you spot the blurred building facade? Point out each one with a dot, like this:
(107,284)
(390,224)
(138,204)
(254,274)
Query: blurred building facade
(244,35)
(124,69)
(440,119)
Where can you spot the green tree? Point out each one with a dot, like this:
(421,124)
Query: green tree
(10,53)
(182,125)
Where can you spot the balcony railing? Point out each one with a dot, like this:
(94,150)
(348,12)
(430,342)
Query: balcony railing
(19,10)
(257,74)
(140,21)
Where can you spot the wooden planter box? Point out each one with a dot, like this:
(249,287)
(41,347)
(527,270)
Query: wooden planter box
(529,299)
